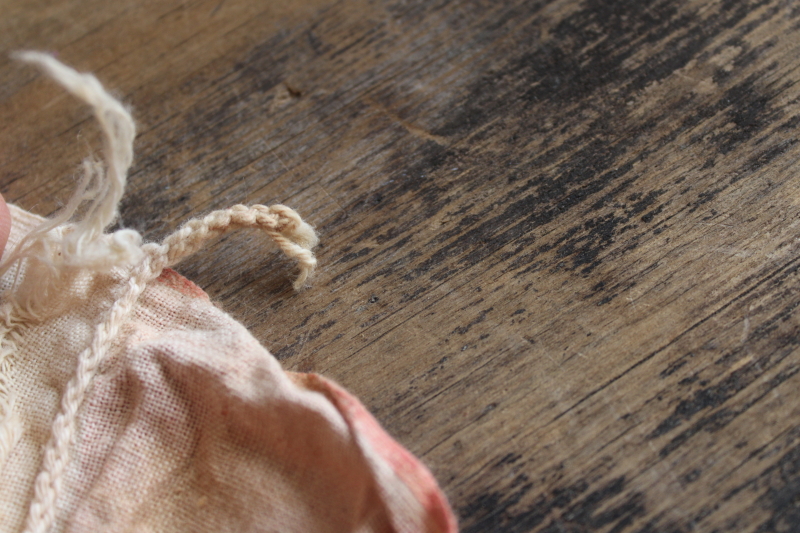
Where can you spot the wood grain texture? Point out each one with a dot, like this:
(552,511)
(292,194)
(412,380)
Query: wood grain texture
(560,249)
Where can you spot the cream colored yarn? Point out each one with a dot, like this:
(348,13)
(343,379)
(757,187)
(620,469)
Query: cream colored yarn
(56,253)
(58,249)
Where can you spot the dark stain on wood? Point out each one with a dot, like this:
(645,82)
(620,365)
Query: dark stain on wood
(559,240)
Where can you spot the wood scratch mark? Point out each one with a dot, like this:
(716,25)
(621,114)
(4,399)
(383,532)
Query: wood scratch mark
(334,200)
(745,330)
(303,340)
(410,127)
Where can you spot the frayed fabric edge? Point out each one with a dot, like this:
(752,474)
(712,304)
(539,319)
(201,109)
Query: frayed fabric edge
(60,247)
(49,257)
(10,423)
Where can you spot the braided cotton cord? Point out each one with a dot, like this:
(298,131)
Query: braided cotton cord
(47,487)
(284,225)
(87,247)
(286,228)
(55,249)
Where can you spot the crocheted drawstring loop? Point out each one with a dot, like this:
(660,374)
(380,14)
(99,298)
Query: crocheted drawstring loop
(51,255)
(294,237)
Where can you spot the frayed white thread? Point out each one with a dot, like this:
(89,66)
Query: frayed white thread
(10,422)
(52,254)
(100,251)
(56,250)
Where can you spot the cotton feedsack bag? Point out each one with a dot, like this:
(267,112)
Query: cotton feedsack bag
(128,402)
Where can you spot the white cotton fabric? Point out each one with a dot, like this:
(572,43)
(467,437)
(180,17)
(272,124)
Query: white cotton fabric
(128,402)
(191,425)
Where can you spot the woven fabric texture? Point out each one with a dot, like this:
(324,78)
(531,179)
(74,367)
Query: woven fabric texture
(191,425)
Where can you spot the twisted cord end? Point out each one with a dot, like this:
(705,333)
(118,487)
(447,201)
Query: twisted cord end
(307,267)
(302,236)
(294,227)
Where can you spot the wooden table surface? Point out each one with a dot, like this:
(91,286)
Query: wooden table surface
(560,239)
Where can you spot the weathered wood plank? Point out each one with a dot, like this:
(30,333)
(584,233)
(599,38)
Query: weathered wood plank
(560,256)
